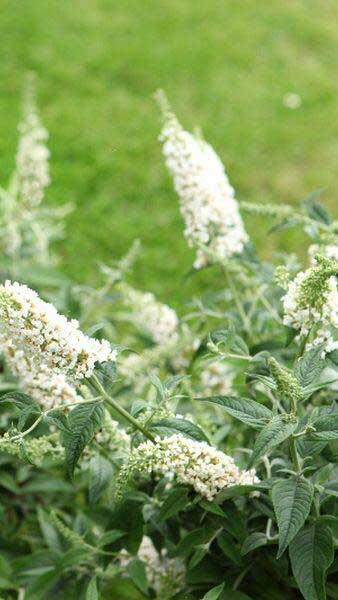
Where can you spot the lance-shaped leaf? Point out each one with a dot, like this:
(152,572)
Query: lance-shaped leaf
(253,541)
(84,420)
(311,554)
(326,428)
(292,499)
(215,593)
(167,427)
(309,367)
(244,409)
(100,473)
(273,434)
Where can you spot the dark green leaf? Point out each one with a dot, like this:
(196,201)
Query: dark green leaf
(84,420)
(193,538)
(137,572)
(169,426)
(309,367)
(246,410)
(229,548)
(59,419)
(326,428)
(253,541)
(235,491)
(176,501)
(18,398)
(311,554)
(292,499)
(273,434)
(100,473)
(215,593)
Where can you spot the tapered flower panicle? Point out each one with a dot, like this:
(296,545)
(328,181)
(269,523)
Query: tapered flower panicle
(48,353)
(207,200)
(194,463)
(36,330)
(32,169)
(311,302)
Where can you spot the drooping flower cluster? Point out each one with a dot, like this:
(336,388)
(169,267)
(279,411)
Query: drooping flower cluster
(207,200)
(158,320)
(311,303)
(32,169)
(48,353)
(205,468)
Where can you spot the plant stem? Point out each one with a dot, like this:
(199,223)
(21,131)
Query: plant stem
(24,433)
(240,308)
(96,383)
(294,454)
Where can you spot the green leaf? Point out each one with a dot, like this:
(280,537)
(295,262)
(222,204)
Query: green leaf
(315,210)
(195,537)
(176,500)
(326,428)
(309,367)
(235,491)
(215,593)
(273,434)
(244,409)
(292,499)
(41,585)
(137,572)
(59,419)
(108,537)
(212,508)
(84,420)
(253,541)
(91,592)
(128,515)
(100,473)
(48,530)
(311,554)
(228,546)
(18,398)
(169,426)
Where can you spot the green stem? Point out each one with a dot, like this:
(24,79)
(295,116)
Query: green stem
(19,436)
(294,454)
(240,308)
(94,380)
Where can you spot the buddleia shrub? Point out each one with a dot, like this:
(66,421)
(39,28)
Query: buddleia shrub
(149,453)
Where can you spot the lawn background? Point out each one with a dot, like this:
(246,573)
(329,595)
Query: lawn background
(225,65)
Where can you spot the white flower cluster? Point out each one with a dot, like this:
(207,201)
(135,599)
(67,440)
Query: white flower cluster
(205,468)
(311,303)
(32,169)
(48,353)
(216,378)
(207,200)
(158,320)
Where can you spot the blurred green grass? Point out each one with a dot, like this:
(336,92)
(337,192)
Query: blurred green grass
(225,65)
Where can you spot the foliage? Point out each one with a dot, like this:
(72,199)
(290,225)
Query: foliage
(201,463)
